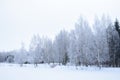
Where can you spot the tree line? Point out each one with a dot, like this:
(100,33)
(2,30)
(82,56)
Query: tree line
(85,45)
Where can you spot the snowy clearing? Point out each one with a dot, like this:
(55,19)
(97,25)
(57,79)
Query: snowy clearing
(45,72)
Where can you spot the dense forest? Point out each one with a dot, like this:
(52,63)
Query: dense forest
(85,45)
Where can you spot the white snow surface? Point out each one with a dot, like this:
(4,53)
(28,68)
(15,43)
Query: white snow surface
(46,72)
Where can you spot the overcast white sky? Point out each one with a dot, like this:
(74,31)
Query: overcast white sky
(20,19)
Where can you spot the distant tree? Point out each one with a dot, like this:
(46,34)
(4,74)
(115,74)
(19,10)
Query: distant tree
(2,56)
(10,58)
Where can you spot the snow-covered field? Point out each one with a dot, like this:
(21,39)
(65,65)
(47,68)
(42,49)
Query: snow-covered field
(45,72)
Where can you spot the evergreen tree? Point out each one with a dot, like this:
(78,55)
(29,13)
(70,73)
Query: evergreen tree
(112,39)
(117,27)
(117,60)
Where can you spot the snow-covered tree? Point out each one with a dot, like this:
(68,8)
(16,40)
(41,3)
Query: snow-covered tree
(101,44)
(114,44)
(81,43)
(36,49)
(117,27)
(48,50)
(61,45)
(41,49)
(21,55)
(73,55)
(113,39)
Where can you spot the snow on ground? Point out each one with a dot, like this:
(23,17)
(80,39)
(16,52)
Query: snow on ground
(45,72)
